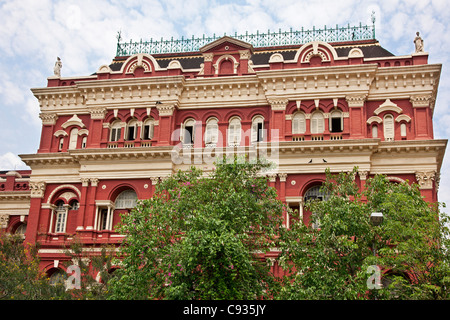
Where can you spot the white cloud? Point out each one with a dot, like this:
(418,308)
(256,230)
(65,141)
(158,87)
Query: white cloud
(10,161)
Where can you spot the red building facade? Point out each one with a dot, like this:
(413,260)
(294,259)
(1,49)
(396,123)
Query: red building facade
(108,138)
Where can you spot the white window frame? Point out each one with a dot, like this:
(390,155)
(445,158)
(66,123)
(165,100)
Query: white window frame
(298,123)
(234,131)
(133,123)
(333,115)
(211,131)
(116,129)
(187,123)
(258,134)
(317,122)
(73,139)
(150,122)
(389,127)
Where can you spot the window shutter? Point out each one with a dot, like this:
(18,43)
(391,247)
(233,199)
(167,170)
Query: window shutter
(388,124)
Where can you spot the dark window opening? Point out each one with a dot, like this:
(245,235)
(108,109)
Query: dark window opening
(336,125)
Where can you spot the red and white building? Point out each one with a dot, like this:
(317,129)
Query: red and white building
(107,138)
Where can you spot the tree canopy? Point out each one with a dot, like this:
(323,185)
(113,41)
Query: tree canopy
(201,236)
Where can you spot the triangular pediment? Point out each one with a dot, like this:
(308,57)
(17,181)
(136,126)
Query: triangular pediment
(232,43)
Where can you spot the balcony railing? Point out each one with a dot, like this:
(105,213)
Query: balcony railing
(280,38)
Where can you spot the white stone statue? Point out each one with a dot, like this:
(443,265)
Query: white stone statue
(418,41)
(57,68)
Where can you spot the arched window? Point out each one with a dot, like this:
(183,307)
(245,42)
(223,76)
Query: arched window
(315,193)
(73,138)
(317,122)
(126,200)
(148,129)
(298,123)
(188,131)
(336,121)
(131,130)
(83,142)
(234,132)
(211,132)
(20,230)
(388,125)
(61,217)
(116,128)
(258,129)
(61,144)
(58,277)
(75,205)
(403,129)
(374,131)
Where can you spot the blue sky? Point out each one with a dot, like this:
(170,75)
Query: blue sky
(83,33)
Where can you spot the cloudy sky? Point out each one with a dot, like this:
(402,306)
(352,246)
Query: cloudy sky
(83,33)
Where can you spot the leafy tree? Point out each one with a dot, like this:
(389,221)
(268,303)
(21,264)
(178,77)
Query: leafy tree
(88,264)
(20,276)
(332,261)
(201,237)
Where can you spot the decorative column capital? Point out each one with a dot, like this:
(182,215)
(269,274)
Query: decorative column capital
(356,101)
(272,177)
(420,101)
(94,181)
(425,179)
(98,113)
(165,110)
(282,176)
(37,189)
(278,104)
(363,174)
(48,118)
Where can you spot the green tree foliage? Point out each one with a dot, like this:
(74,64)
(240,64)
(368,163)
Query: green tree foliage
(90,264)
(332,261)
(201,237)
(20,276)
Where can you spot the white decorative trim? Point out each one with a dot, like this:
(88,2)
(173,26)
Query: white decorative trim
(374,119)
(403,117)
(60,133)
(74,121)
(69,186)
(388,105)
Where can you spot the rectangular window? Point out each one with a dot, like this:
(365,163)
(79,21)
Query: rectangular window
(336,125)
(60,221)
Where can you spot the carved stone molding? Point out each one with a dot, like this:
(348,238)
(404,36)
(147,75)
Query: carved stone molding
(4,220)
(356,100)
(272,177)
(37,189)
(155,180)
(94,181)
(282,176)
(244,54)
(421,101)
(278,104)
(98,113)
(208,57)
(165,110)
(48,118)
(425,179)
(363,175)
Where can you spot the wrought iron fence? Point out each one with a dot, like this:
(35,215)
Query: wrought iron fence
(291,37)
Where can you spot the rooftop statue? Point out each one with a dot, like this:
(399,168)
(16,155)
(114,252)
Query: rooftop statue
(57,68)
(418,41)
